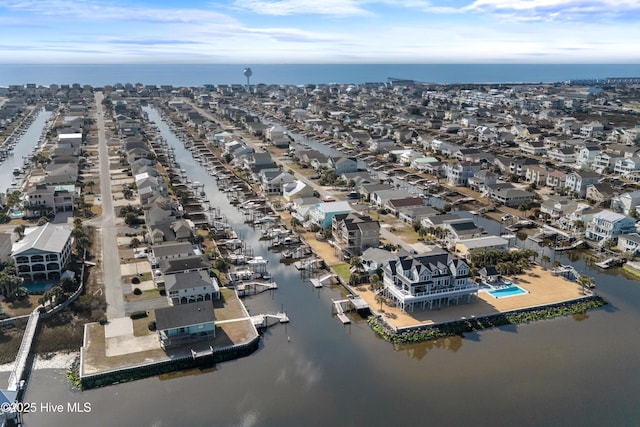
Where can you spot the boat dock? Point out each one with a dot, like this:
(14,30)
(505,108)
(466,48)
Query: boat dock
(269,319)
(252,288)
(342,306)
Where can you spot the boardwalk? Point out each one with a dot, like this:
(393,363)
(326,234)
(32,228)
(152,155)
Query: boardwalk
(23,352)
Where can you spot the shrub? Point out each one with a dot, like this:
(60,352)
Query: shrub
(141,314)
(135,281)
(152,326)
(137,291)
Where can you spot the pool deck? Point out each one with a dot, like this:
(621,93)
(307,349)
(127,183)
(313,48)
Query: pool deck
(543,289)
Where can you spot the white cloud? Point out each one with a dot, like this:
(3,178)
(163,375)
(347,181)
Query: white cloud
(557,9)
(297,7)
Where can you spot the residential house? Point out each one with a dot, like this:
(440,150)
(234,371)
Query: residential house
(353,233)
(374,259)
(395,205)
(272,181)
(413,214)
(343,165)
(296,189)
(562,155)
(608,225)
(533,148)
(629,243)
(464,246)
(587,155)
(557,206)
(185,323)
(509,195)
(481,179)
(536,174)
(601,193)
(557,180)
(426,281)
(43,253)
(322,214)
(578,181)
(626,202)
(458,174)
(191,286)
(628,167)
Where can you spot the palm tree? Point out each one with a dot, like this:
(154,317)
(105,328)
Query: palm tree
(585,282)
(19,230)
(356,264)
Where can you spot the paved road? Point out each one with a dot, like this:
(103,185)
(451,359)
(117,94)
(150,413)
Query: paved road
(110,257)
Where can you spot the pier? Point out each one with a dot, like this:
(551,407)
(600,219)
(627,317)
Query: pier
(20,366)
(269,319)
(342,306)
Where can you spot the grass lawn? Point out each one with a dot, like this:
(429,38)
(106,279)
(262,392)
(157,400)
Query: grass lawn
(141,326)
(151,293)
(342,270)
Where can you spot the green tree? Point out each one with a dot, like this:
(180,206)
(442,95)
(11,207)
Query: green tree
(585,282)
(19,230)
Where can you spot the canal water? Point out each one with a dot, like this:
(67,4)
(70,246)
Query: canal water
(25,146)
(317,372)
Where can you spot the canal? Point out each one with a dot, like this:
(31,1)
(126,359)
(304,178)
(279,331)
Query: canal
(568,371)
(25,145)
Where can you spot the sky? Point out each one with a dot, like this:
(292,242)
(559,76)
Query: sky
(320,31)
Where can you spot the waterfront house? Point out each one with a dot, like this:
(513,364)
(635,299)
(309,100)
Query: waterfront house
(353,233)
(191,286)
(629,243)
(43,253)
(169,266)
(172,250)
(426,281)
(460,229)
(626,202)
(296,189)
(557,206)
(322,214)
(185,323)
(374,259)
(272,181)
(607,225)
(464,246)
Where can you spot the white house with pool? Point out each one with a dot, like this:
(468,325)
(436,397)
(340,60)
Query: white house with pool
(426,281)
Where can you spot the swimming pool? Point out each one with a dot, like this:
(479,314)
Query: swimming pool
(510,291)
(39,287)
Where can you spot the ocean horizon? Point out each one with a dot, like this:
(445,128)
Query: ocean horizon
(298,74)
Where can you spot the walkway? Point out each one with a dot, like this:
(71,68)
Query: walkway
(23,352)
(110,257)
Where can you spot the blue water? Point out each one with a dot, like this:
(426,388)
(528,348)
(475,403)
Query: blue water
(39,287)
(510,291)
(199,74)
